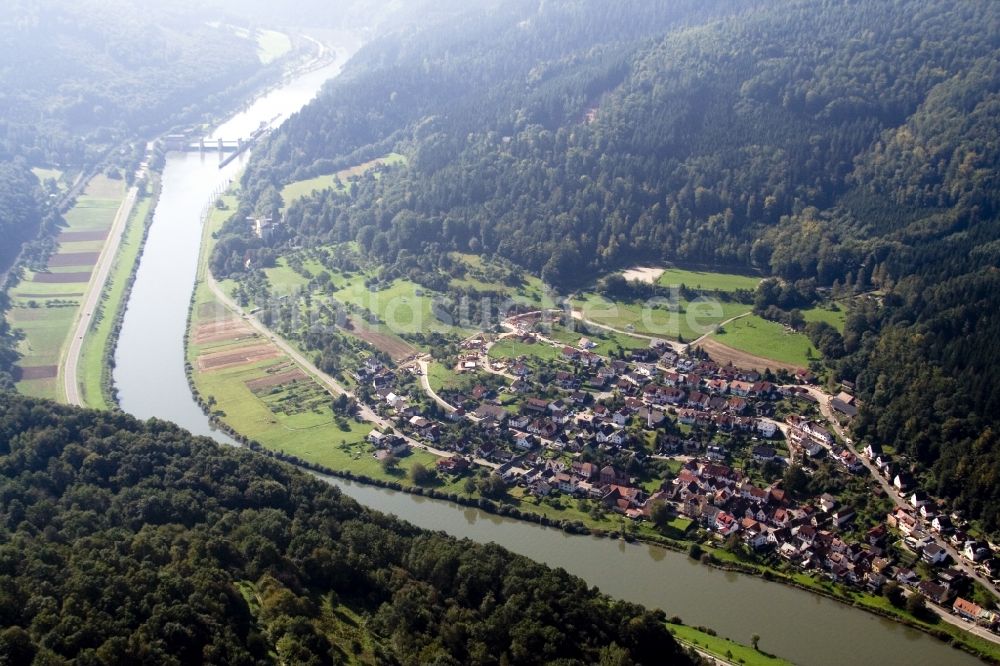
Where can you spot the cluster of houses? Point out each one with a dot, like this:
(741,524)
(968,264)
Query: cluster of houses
(811,536)
(810,439)
(649,387)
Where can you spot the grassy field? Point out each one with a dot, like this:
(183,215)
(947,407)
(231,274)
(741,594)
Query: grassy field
(271,45)
(509,348)
(606,341)
(706,281)
(283,279)
(302,188)
(836,318)
(532,292)
(44,173)
(724,648)
(402,307)
(44,311)
(442,378)
(767,339)
(694,318)
(95,342)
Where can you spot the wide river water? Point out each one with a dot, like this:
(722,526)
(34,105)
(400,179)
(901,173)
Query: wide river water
(149,374)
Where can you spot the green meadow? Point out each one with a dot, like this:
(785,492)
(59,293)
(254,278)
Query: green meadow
(825,312)
(707,281)
(509,348)
(767,339)
(606,342)
(271,45)
(688,321)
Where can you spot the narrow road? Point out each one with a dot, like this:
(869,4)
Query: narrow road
(71,358)
(425,382)
(825,400)
(947,616)
(677,346)
(717,327)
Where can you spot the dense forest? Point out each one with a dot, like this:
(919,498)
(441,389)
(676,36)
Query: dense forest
(850,144)
(124,542)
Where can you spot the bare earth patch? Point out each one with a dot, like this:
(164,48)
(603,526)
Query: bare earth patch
(396,349)
(37,372)
(244,356)
(643,274)
(61,278)
(722,355)
(74,259)
(230,329)
(74,236)
(276,380)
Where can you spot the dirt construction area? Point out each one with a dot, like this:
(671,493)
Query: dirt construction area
(643,274)
(723,355)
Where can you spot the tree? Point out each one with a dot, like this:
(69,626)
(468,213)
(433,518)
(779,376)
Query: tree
(660,514)
(795,480)
(389,462)
(695,551)
(916,604)
(754,640)
(492,486)
(421,475)
(893,592)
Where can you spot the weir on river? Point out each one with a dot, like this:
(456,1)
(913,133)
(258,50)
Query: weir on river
(149,375)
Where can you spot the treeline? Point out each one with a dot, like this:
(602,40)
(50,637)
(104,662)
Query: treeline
(123,542)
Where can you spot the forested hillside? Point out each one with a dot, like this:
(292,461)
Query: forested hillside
(123,542)
(850,144)
(79,75)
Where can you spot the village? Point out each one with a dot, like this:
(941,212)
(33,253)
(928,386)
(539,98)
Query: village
(597,430)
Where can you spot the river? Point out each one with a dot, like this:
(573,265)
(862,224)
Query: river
(149,375)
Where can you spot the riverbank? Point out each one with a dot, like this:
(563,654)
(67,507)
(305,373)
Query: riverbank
(93,369)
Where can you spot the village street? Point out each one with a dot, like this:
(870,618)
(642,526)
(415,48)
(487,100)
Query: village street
(824,400)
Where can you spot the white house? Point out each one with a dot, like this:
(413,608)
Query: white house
(766,428)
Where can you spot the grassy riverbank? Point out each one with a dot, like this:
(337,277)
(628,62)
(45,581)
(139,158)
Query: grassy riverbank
(98,344)
(724,648)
